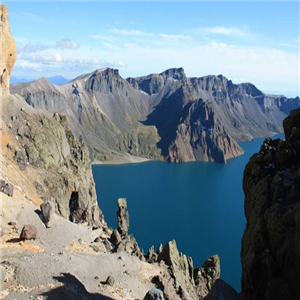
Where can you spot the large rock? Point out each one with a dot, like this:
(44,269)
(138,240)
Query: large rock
(48,210)
(8,189)
(29,232)
(154,294)
(8,52)
(207,274)
(123,218)
(271,241)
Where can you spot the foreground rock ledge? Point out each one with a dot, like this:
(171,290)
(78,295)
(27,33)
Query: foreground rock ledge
(271,241)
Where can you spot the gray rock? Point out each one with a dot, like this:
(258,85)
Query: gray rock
(115,237)
(123,218)
(29,232)
(222,291)
(47,209)
(10,146)
(110,280)
(154,294)
(8,189)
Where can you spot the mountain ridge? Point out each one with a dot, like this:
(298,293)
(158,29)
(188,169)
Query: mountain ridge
(144,116)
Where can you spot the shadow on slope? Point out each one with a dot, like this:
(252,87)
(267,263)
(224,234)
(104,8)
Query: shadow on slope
(72,289)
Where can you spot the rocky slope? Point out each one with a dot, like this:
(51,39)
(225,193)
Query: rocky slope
(42,150)
(271,245)
(158,116)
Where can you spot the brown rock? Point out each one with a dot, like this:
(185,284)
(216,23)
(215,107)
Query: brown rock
(29,232)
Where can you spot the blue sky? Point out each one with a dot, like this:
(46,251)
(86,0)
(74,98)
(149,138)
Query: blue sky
(256,42)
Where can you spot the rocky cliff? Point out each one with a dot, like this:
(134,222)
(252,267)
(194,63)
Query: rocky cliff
(150,116)
(42,151)
(271,244)
(8,52)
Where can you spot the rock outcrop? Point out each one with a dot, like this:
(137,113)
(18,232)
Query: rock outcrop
(8,52)
(271,241)
(123,218)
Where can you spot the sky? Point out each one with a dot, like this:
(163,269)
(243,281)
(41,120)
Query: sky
(255,41)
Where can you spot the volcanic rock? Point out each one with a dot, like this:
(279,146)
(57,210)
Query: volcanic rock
(29,232)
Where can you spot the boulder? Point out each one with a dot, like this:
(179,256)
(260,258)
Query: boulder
(110,280)
(222,291)
(123,218)
(10,146)
(8,189)
(47,209)
(154,294)
(29,232)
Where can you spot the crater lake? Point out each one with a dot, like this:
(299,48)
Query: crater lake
(199,204)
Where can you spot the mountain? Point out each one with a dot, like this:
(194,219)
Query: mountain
(14,79)
(58,80)
(165,116)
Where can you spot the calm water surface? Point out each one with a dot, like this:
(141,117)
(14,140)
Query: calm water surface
(200,205)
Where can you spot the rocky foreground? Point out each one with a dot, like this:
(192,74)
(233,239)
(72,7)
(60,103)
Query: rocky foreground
(271,242)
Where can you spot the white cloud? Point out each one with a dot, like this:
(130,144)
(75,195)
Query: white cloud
(32,47)
(107,38)
(67,44)
(41,59)
(175,37)
(221,30)
(131,32)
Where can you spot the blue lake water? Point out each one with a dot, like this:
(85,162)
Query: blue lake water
(200,205)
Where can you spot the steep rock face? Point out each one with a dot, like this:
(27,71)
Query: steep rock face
(65,177)
(271,244)
(8,51)
(201,137)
